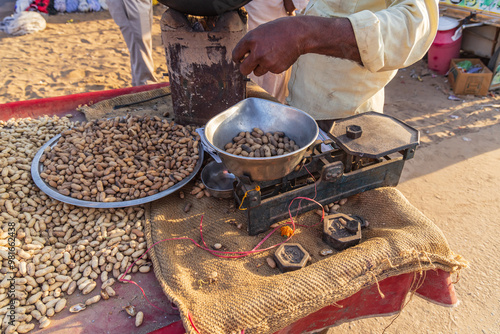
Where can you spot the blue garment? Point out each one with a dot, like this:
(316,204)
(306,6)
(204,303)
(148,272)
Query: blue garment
(71,6)
(94,5)
(60,5)
(476,69)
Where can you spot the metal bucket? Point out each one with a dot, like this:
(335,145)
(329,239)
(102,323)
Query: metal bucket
(204,79)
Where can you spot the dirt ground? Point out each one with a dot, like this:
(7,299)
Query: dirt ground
(453,179)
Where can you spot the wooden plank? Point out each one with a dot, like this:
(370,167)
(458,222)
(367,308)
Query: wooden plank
(460,13)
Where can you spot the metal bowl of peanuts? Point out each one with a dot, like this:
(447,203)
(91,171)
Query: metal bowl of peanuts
(261,139)
(117,162)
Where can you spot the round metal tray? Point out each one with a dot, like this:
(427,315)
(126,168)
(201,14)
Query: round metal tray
(37,168)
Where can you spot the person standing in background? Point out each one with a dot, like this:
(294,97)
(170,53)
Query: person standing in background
(263,11)
(135,19)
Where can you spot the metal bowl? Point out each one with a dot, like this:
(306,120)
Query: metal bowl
(37,167)
(217,180)
(204,7)
(269,117)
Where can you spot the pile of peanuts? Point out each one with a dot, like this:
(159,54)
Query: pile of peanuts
(53,249)
(120,159)
(259,144)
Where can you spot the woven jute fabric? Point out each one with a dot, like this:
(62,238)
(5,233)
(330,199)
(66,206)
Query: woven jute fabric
(248,294)
(155,104)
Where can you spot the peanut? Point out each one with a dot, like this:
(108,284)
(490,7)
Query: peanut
(256,144)
(109,174)
(56,242)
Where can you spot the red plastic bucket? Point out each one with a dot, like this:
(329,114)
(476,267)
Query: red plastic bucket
(446,45)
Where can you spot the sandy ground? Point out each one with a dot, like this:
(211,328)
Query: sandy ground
(78,52)
(453,179)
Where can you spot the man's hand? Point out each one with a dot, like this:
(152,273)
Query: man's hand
(275,46)
(271,47)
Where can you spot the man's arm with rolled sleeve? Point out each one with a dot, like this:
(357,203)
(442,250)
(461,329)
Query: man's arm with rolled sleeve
(397,36)
(384,40)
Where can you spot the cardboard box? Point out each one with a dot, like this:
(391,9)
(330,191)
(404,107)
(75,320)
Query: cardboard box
(469,83)
(481,41)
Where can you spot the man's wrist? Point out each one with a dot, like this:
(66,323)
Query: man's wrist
(327,36)
(304,34)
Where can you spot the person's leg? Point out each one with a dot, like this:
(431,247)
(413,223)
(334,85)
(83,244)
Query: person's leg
(117,10)
(140,18)
(118,13)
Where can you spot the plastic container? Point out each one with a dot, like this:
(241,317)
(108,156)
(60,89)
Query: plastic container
(446,45)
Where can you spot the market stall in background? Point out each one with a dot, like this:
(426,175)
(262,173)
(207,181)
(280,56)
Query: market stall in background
(468,29)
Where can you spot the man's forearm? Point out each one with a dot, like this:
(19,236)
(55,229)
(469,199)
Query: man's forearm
(328,36)
(275,46)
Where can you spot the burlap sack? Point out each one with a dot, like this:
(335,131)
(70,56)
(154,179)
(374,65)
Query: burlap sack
(248,295)
(157,102)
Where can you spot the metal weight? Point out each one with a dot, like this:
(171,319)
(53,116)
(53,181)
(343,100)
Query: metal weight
(342,231)
(291,257)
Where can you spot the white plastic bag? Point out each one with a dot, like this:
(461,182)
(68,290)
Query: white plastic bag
(23,23)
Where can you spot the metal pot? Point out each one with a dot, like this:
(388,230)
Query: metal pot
(269,117)
(217,180)
(204,7)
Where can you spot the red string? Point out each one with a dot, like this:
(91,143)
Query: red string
(237,254)
(315,194)
(122,279)
(192,323)
(217,252)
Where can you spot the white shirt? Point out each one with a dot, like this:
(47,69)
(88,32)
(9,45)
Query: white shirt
(260,12)
(390,35)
